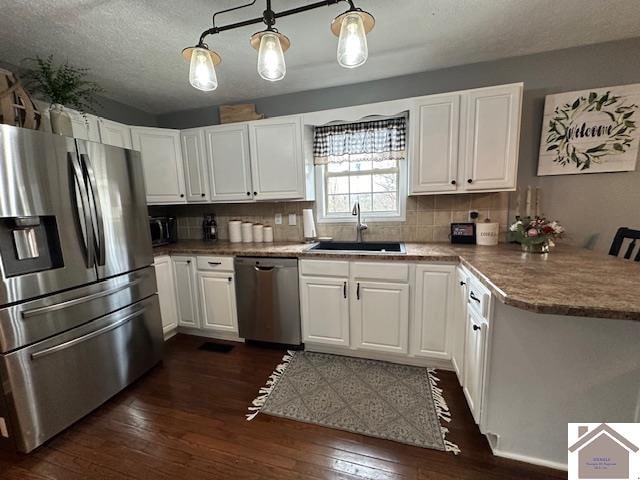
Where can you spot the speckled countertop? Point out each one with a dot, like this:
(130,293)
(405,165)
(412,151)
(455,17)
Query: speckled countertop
(568,281)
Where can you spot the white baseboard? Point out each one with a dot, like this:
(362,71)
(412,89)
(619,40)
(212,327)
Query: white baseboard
(170,333)
(388,357)
(533,460)
(199,332)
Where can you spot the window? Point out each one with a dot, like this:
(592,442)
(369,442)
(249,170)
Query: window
(361,162)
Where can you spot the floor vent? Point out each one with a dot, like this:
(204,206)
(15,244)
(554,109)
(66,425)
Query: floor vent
(216,347)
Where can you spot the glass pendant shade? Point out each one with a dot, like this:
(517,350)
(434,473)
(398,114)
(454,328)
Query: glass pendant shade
(271,64)
(202,72)
(352,44)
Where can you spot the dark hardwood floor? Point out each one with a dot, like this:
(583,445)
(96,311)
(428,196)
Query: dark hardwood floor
(185,420)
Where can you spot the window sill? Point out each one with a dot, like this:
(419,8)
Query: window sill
(363,217)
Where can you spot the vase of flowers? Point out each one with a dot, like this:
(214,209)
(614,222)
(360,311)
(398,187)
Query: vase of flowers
(62,85)
(536,235)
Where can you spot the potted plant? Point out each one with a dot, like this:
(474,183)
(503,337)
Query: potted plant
(536,235)
(62,85)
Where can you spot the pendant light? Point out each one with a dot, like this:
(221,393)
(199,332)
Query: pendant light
(351,28)
(271,46)
(202,71)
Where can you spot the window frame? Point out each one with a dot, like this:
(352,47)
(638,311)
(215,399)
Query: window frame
(321,199)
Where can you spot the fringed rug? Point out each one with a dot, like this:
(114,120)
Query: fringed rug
(380,399)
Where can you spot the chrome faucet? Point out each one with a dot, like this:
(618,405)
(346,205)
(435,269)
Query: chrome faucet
(360,227)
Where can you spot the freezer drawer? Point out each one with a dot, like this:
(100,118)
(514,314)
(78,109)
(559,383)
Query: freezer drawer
(29,322)
(53,383)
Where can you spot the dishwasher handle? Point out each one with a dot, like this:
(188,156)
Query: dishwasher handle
(270,268)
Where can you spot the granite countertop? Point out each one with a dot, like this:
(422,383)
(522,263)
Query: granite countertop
(568,281)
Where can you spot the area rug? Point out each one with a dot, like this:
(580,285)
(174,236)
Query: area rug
(379,399)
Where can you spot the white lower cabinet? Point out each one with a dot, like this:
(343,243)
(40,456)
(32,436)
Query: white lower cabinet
(324,308)
(186,292)
(380,316)
(431,333)
(218,301)
(474,362)
(166,293)
(459,321)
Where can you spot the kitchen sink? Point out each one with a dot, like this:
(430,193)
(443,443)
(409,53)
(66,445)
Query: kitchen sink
(361,247)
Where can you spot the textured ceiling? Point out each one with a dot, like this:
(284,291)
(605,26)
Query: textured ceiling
(133,47)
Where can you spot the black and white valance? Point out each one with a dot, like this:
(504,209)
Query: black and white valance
(338,143)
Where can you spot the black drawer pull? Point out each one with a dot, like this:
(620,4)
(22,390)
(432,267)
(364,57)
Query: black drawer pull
(358,291)
(473,297)
(462,284)
(344,289)
(476,328)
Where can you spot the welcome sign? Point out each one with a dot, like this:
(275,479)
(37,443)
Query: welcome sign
(590,131)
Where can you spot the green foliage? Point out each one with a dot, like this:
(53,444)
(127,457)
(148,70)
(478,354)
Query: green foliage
(63,84)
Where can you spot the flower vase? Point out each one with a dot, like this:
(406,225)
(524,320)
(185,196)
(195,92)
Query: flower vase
(536,248)
(60,120)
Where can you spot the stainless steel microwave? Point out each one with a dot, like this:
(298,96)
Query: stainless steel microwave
(164,230)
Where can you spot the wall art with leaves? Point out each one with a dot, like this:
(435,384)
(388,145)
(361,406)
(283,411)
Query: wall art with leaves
(590,131)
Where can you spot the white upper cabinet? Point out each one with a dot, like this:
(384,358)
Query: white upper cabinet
(435,126)
(162,163)
(85,126)
(229,161)
(194,156)
(114,133)
(432,311)
(465,141)
(491,140)
(277,163)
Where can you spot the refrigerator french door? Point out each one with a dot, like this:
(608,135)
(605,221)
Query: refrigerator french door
(79,316)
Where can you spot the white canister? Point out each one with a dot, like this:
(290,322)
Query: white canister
(235,234)
(487,233)
(258,230)
(267,234)
(247,232)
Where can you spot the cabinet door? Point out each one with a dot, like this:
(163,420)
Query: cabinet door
(475,346)
(432,311)
(162,163)
(380,316)
(186,291)
(492,132)
(218,301)
(114,133)
(166,293)
(277,163)
(324,306)
(194,156)
(434,162)
(458,322)
(229,163)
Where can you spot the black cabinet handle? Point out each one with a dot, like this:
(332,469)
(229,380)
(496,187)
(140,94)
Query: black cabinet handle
(358,291)
(202,194)
(473,297)
(248,194)
(462,283)
(182,195)
(470,181)
(255,194)
(188,261)
(344,289)
(476,328)
(453,182)
(230,278)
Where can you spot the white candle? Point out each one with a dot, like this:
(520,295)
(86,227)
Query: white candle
(538,208)
(528,204)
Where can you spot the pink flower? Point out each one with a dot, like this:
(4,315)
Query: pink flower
(532,232)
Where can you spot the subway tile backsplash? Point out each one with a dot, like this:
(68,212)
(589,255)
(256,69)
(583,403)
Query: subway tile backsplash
(427,220)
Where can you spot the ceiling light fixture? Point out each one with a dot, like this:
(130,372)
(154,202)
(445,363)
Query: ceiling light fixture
(351,27)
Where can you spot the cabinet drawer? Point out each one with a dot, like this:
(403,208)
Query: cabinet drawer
(389,272)
(220,264)
(324,268)
(479,298)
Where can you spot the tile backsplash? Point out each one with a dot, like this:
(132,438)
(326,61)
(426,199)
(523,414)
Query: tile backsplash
(427,220)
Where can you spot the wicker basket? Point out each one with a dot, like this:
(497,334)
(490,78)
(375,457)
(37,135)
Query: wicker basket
(16,106)
(239,113)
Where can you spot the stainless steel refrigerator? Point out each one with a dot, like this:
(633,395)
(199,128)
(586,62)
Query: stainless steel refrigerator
(79,314)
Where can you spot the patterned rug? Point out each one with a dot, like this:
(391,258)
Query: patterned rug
(380,399)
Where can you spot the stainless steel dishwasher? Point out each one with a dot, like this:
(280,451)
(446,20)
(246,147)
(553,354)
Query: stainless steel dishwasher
(268,299)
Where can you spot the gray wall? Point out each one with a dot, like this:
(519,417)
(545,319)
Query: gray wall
(110,109)
(590,206)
